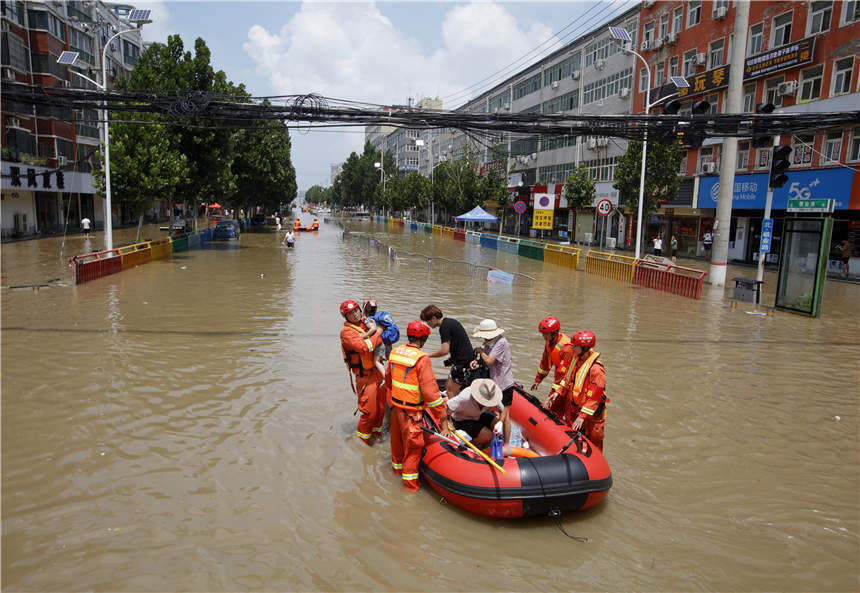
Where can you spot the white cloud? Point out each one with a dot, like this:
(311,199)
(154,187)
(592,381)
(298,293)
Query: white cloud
(353,51)
(161,25)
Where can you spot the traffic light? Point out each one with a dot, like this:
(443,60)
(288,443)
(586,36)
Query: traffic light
(672,107)
(778,166)
(763,141)
(701,107)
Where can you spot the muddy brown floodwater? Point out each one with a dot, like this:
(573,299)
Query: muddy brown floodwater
(187,425)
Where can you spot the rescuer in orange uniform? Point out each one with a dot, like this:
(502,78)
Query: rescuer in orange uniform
(358,356)
(582,402)
(557,352)
(413,389)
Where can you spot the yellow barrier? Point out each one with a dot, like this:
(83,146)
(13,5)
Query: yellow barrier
(161,248)
(437,230)
(447,231)
(608,265)
(562,255)
(134,255)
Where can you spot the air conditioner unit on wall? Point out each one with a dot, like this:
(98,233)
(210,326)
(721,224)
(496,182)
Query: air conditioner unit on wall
(8,74)
(720,13)
(701,59)
(63,161)
(624,93)
(645,45)
(554,84)
(657,44)
(599,64)
(709,167)
(787,88)
(671,39)
(4,26)
(13,122)
(603,141)
(575,75)
(592,143)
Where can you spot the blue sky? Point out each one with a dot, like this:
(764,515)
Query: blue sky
(383,52)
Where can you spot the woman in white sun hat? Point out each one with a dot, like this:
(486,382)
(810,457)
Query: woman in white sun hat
(496,356)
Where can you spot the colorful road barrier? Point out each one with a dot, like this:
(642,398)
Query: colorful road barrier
(473,237)
(562,255)
(135,255)
(508,244)
(610,265)
(489,241)
(97,264)
(686,282)
(531,249)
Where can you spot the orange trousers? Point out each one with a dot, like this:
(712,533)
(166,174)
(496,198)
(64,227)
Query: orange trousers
(371,404)
(407,439)
(592,428)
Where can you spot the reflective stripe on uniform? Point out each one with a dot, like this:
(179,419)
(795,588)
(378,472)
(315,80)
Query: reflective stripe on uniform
(588,411)
(369,343)
(405,386)
(543,371)
(361,435)
(396,465)
(435,403)
(404,360)
(557,386)
(409,476)
(377,429)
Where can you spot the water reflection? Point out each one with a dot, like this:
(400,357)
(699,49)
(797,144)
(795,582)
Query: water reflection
(187,424)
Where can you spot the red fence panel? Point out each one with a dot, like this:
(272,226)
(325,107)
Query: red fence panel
(459,235)
(90,266)
(686,282)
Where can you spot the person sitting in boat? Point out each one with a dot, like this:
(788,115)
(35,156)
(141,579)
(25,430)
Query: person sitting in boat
(582,403)
(478,411)
(297,225)
(557,352)
(413,389)
(316,225)
(382,323)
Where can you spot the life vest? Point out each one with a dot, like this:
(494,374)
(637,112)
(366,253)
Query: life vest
(405,390)
(576,397)
(555,352)
(358,360)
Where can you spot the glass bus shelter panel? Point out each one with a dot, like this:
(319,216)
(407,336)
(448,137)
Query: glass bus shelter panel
(803,264)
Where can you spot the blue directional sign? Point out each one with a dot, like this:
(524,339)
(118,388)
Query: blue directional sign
(766,235)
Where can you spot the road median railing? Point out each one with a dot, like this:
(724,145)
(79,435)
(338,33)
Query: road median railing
(161,249)
(459,234)
(489,241)
(610,265)
(473,237)
(508,244)
(666,277)
(437,231)
(97,264)
(562,255)
(134,255)
(531,249)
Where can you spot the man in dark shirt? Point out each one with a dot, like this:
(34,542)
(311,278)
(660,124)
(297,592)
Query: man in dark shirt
(455,340)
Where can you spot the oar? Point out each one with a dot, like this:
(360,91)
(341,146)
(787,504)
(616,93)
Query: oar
(441,436)
(479,452)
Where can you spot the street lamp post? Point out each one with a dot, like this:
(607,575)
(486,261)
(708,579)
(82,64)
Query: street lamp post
(419,143)
(621,35)
(140,18)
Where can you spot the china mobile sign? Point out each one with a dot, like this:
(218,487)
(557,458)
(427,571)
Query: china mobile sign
(750,191)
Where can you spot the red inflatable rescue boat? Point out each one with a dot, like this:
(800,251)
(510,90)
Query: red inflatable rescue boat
(569,474)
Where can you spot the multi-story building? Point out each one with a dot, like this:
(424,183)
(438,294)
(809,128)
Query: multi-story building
(47,179)
(801,57)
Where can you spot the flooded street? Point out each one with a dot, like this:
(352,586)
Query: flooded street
(188,425)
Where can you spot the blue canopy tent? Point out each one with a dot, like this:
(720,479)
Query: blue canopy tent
(476,214)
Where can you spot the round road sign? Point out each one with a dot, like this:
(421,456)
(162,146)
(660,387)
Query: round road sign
(519,206)
(604,207)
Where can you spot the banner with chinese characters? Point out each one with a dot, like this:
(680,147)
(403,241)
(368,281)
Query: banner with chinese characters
(544,209)
(750,191)
(763,64)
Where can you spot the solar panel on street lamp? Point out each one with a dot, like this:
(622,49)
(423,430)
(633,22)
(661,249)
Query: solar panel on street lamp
(619,34)
(67,57)
(139,16)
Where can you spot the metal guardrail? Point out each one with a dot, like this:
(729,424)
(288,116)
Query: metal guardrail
(562,255)
(610,265)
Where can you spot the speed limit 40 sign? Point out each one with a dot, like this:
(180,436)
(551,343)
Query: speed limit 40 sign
(604,207)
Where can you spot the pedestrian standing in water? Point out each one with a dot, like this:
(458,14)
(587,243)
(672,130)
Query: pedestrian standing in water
(673,245)
(658,246)
(85,226)
(845,251)
(289,239)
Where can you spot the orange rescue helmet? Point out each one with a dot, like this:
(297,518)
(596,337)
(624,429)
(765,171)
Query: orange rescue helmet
(585,339)
(549,325)
(347,306)
(417,329)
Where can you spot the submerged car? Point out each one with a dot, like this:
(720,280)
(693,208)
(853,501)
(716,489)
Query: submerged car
(226,230)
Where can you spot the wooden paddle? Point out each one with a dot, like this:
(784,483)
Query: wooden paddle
(479,452)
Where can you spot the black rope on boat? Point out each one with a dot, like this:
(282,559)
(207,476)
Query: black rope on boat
(556,514)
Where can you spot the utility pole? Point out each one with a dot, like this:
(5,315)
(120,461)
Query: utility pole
(734,104)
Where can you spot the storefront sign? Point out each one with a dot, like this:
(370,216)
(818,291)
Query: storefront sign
(783,58)
(750,191)
(810,206)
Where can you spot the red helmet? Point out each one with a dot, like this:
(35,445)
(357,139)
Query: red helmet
(549,325)
(417,329)
(347,306)
(585,338)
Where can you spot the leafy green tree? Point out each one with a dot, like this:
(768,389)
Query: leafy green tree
(579,189)
(412,192)
(262,167)
(661,175)
(494,185)
(316,194)
(144,166)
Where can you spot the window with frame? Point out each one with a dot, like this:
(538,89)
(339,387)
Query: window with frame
(566,102)
(801,150)
(749,98)
(673,66)
(694,12)
(771,91)
(690,62)
(810,83)
(648,32)
(854,147)
(756,39)
(782,29)
(714,100)
(715,53)
(643,80)
(706,155)
(14,11)
(678,19)
(842,76)
(600,50)
(743,156)
(499,101)
(41,19)
(819,16)
(600,89)
(682,170)
(850,12)
(660,75)
(832,148)
(526,87)
(664,26)
(14,52)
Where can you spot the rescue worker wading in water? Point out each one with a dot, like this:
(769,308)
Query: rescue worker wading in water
(582,403)
(413,389)
(358,355)
(557,352)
